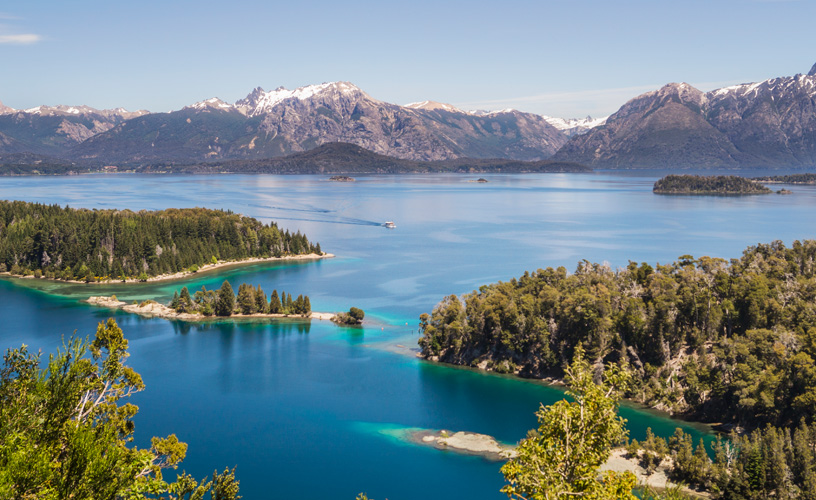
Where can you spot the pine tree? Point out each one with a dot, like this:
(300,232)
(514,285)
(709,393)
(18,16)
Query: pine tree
(225,304)
(274,303)
(246,299)
(261,306)
(185,302)
(307,305)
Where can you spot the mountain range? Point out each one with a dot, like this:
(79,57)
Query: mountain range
(766,124)
(277,123)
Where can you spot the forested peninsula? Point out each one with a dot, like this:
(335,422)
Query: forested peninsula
(712,184)
(788,179)
(728,342)
(101,245)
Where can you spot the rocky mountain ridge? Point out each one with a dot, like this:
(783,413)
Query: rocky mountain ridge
(766,124)
(279,122)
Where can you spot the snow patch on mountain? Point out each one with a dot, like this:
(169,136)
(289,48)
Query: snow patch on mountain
(5,110)
(433,106)
(259,102)
(63,110)
(575,126)
(211,103)
(484,112)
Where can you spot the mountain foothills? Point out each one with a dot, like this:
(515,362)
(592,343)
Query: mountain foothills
(339,157)
(766,124)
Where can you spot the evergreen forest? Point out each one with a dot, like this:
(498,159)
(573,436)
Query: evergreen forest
(250,300)
(728,342)
(713,184)
(92,245)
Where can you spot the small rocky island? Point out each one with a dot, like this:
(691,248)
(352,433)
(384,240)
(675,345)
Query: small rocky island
(713,184)
(342,178)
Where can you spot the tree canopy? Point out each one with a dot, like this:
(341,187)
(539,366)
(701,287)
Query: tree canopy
(574,438)
(65,431)
(67,243)
(726,341)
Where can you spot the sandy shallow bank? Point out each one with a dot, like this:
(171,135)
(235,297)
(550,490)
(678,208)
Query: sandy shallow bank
(153,309)
(470,443)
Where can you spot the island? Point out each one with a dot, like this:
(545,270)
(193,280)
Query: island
(251,302)
(94,246)
(788,179)
(353,317)
(713,184)
(342,178)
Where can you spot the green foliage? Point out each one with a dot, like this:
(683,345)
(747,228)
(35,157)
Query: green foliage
(354,316)
(65,433)
(84,244)
(250,300)
(574,439)
(225,305)
(808,178)
(765,463)
(714,184)
(275,306)
(703,337)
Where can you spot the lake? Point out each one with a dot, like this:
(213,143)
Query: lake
(313,410)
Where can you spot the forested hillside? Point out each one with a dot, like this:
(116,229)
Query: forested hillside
(66,243)
(707,338)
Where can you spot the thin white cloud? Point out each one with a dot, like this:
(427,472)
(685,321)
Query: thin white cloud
(21,39)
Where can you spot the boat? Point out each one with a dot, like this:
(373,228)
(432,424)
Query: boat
(390,224)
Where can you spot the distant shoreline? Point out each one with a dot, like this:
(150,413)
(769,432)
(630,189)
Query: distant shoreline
(184,274)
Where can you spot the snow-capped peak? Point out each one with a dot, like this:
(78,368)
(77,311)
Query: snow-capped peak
(211,103)
(433,106)
(62,110)
(483,112)
(5,110)
(260,102)
(575,126)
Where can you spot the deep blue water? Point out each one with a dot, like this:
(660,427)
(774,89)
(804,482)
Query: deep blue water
(305,410)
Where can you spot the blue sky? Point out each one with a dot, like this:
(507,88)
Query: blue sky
(565,58)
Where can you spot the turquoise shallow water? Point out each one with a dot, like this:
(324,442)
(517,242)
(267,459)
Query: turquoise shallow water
(300,408)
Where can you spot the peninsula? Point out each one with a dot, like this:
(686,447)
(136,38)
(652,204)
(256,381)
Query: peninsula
(81,245)
(788,179)
(714,184)
(681,329)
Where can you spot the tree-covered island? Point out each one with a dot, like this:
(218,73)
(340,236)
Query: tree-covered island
(713,184)
(100,245)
